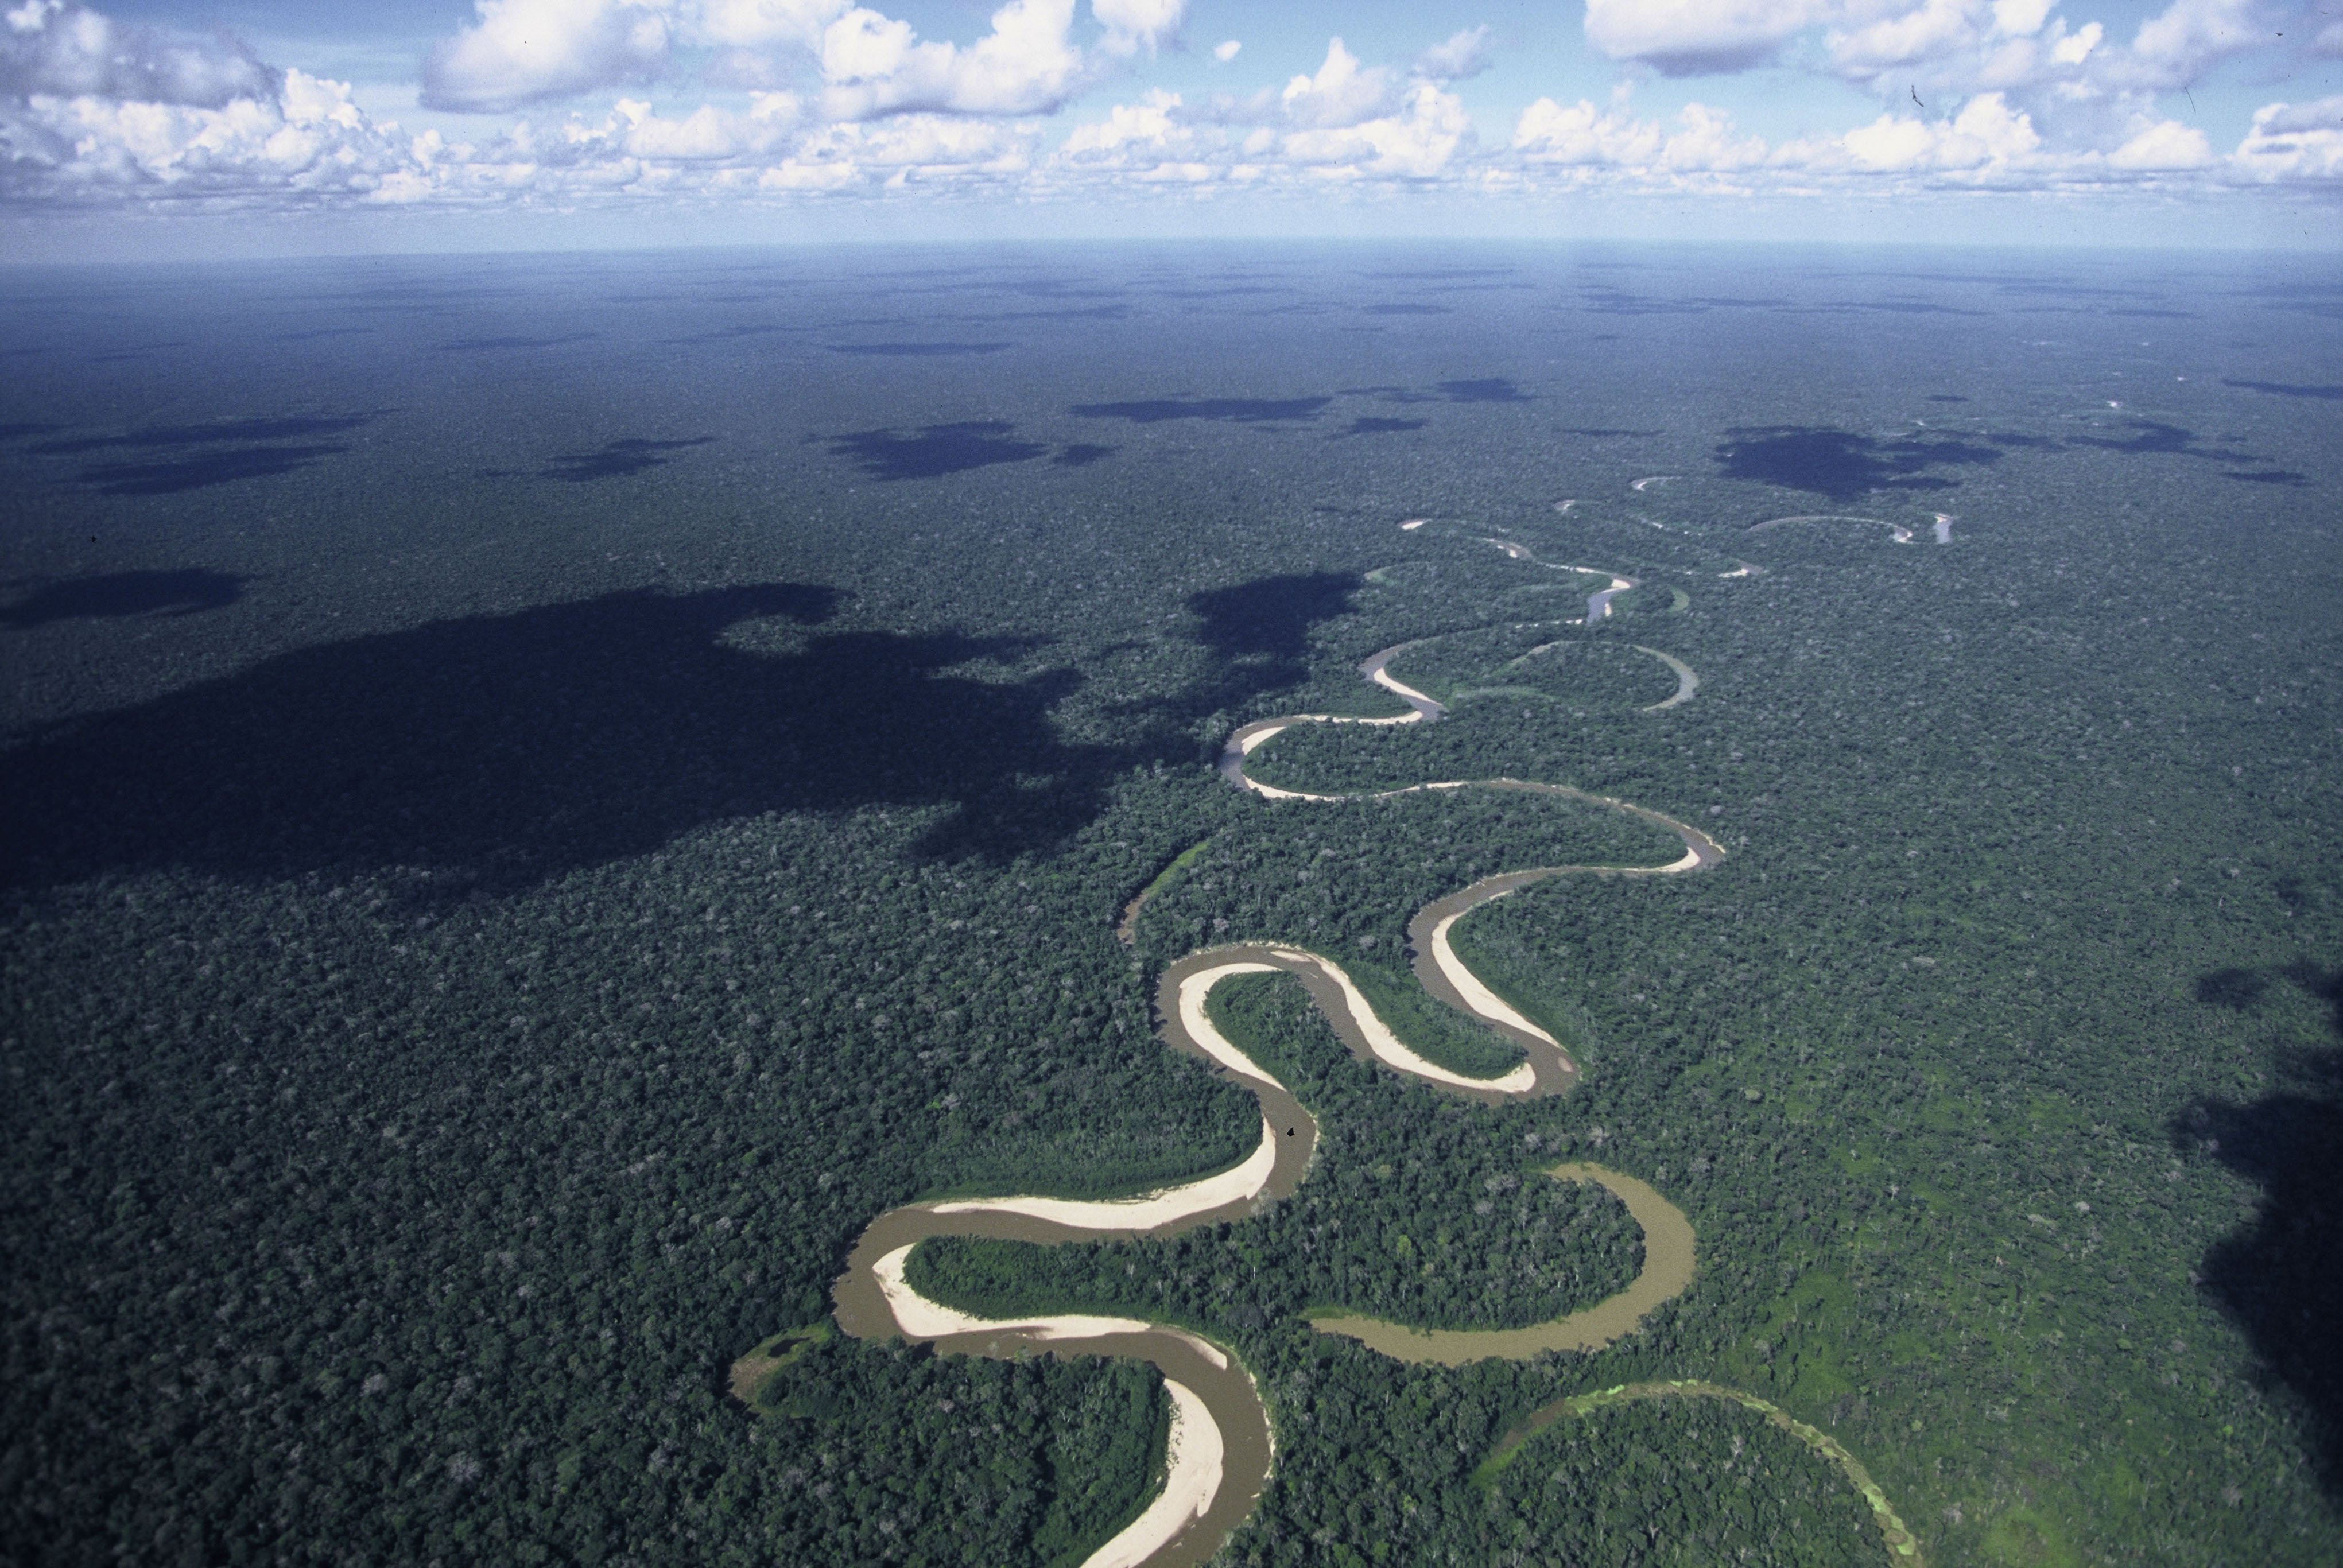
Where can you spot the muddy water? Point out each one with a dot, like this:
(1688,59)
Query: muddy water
(1667,1272)
(1277,1166)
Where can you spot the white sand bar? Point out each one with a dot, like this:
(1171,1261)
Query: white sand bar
(1415,523)
(1391,1050)
(1478,997)
(922,1319)
(1192,1460)
(1147,1211)
(1199,1024)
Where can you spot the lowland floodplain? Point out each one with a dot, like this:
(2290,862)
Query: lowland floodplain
(545,799)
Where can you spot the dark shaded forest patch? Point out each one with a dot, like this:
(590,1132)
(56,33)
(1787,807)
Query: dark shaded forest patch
(1841,464)
(615,459)
(2280,1277)
(110,595)
(934,450)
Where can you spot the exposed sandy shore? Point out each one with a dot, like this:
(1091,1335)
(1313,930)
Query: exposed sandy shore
(1393,1052)
(922,1319)
(1149,1210)
(1193,989)
(1414,523)
(1944,528)
(1191,1460)
(1640,485)
(1478,997)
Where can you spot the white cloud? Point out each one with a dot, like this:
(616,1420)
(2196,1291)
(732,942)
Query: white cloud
(2174,47)
(2294,141)
(1226,51)
(1417,142)
(52,48)
(1691,37)
(1342,93)
(876,66)
(1547,133)
(1986,137)
(522,52)
(762,23)
(93,113)
(1464,55)
(1133,24)
(2166,145)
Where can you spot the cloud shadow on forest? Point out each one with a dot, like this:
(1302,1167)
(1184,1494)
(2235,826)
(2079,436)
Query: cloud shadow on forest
(1840,463)
(113,595)
(176,476)
(2279,1276)
(934,450)
(218,452)
(493,753)
(616,459)
(1363,426)
(1228,410)
(918,350)
(2285,389)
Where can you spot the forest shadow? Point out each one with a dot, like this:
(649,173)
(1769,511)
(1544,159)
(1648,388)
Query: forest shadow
(215,432)
(492,753)
(918,350)
(2283,390)
(1230,410)
(2154,437)
(2278,1278)
(218,452)
(498,345)
(1259,630)
(111,595)
(176,476)
(1487,390)
(934,450)
(616,459)
(1840,463)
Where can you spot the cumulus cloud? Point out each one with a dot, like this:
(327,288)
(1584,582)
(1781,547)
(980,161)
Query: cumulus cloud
(2174,47)
(1464,55)
(2295,142)
(1342,93)
(2166,145)
(874,65)
(1132,25)
(1696,37)
(50,47)
(522,52)
(93,113)
(1584,136)
(1226,50)
(1952,47)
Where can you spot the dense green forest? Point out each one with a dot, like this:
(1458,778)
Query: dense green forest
(1675,1480)
(460,997)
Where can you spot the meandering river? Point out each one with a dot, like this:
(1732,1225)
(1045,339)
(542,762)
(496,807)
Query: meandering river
(1222,1444)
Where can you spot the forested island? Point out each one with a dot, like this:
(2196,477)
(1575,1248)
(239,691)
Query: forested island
(480,949)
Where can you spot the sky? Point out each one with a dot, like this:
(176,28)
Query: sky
(195,128)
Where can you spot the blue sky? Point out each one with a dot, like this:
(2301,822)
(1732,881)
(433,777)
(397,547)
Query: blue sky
(167,128)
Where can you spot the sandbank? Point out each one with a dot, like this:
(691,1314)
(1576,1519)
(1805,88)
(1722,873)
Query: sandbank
(1391,1049)
(1149,1210)
(1192,1460)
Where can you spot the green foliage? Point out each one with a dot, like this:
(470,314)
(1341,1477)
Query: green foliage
(1691,1482)
(1412,1211)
